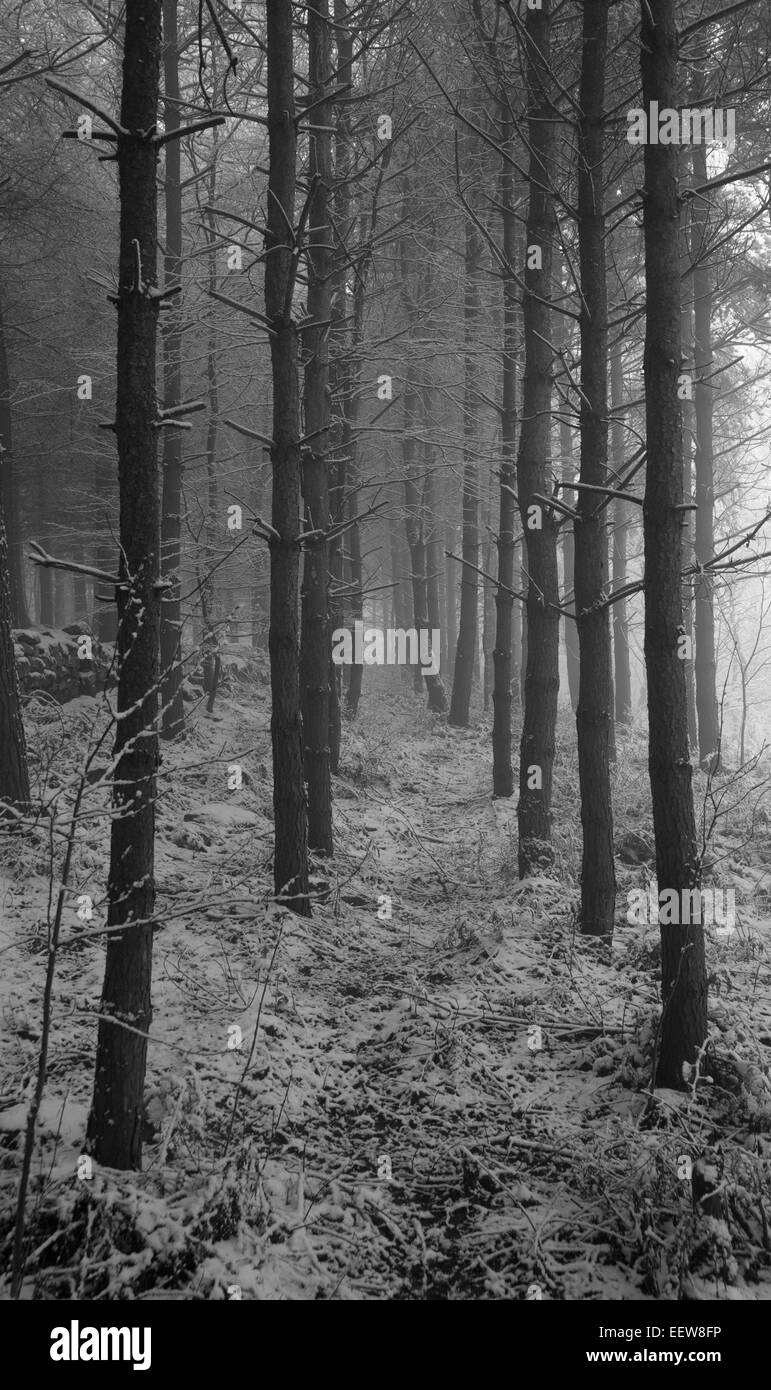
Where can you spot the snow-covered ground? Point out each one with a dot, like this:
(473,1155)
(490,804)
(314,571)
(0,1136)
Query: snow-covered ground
(433,1089)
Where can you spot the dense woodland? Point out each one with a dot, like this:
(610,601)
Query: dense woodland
(385,789)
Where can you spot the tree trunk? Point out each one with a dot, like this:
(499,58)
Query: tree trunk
(14,775)
(572,656)
(595,698)
(172,707)
(340,374)
(414,490)
(517,658)
(437,697)
(356,676)
(415,526)
(621,521)
(523,581)
(452,543)
(336,578)
(105,612)
(460,701)
(290,867)
(114,1129)
(433,568)
(315,647)
(401,593)
(79,586)
(488,628)
(743,724)
(47,577)
(350,446)
(688,585)
(62,589)
(9,492)
(208,588)
(704,612)
(689,442)
(506,672)
(683,977)
(533,469)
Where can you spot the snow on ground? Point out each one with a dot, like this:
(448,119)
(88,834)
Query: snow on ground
(361,1105)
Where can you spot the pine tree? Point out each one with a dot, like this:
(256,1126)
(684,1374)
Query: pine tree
(114,1129)
(683,974)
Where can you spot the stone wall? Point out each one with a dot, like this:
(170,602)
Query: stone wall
(49,659)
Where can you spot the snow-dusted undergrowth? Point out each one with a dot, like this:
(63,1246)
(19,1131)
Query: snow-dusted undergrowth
(361,1105)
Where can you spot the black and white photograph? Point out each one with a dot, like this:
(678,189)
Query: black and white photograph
(385,665)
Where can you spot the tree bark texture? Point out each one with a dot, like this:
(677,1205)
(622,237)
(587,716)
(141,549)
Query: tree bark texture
(290,867)
(114,1130)
(683,977)
(595,696)
(542,633)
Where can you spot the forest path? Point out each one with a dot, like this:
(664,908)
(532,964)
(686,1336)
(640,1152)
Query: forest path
(436,1081)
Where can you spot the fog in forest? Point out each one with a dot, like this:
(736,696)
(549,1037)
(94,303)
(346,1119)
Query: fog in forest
(385,656)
